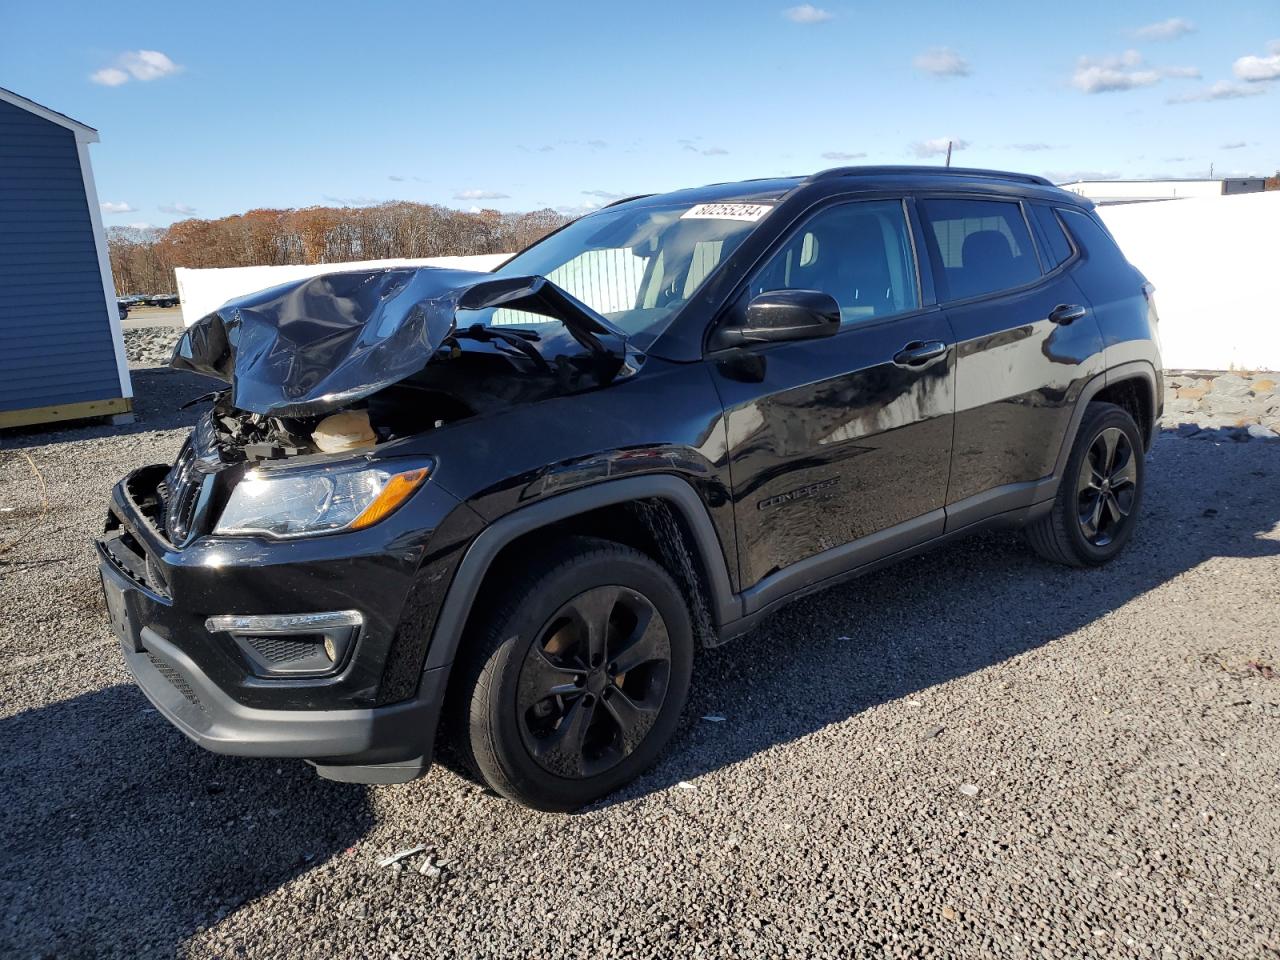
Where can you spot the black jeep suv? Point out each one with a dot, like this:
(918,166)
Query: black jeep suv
(506,507)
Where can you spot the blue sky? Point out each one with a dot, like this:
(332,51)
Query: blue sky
(213,109)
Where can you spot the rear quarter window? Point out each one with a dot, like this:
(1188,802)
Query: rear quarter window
(1090,234)
(1056,247)
(1106,275)
(978,246)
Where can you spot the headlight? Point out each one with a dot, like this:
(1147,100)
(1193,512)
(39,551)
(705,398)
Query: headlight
(321,500)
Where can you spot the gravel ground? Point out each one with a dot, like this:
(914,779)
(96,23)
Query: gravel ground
(150,346)
(970,754)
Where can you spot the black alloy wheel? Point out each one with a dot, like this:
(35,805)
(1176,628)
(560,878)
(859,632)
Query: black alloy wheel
(574,680)
(1107,486)
(1095,510)
(593,683)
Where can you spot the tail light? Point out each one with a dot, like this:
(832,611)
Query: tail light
(1149,292)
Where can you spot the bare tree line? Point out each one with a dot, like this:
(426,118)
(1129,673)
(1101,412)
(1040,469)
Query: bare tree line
(142,260)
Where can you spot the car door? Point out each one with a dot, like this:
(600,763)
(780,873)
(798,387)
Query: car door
(1026,343)
(839,447)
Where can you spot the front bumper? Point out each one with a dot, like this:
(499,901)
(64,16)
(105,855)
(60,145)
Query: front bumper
(345,723)
(389,744)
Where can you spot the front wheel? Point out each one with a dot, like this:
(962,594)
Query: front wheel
(576,683)
(1096,508)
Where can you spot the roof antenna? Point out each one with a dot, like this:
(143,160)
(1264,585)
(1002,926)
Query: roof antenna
(948,153)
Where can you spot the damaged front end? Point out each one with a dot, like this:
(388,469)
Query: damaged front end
(323,371)
(346,361)
(248,626)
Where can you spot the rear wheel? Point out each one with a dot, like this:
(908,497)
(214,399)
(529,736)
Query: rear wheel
(573,687)
(1096,508)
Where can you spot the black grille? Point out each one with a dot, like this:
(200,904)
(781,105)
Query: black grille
(283,649)
(179,493)
(175,678)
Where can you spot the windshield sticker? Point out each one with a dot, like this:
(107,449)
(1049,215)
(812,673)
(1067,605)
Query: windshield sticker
(750,212)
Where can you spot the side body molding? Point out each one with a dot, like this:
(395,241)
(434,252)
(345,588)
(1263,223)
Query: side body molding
(725,607)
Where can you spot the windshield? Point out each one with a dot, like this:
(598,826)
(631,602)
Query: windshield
(637,266)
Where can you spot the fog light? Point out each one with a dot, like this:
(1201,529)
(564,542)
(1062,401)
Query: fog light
(292,644)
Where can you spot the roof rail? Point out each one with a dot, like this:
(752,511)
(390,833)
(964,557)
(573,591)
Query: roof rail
(614,203)
(930,171)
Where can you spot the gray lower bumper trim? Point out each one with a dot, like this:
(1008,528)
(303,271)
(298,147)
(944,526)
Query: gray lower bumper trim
(396,734)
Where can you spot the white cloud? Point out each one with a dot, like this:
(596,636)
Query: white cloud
(481,195)
(140,225)
(1169,29)
(942,62)
(395,177)
(841,155)
(692,146)
(117,206)
(937,147)
(597,144)
(148,64)
(807,13)
(1108,74)
(603,194)
(1222,90)
(1125,71)
(1031,147)
(109,76)
(1236,145)
(141,65)
(176,208)
(1260,69)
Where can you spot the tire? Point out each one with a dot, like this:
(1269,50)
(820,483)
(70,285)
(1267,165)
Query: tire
(1085,528)
(610,720)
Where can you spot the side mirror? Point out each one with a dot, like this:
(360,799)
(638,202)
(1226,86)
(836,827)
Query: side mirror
(784,315)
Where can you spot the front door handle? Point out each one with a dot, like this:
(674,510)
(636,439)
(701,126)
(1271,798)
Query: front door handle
(917,353)
(1065,313)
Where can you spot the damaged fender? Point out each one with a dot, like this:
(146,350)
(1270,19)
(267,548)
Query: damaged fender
(311,346)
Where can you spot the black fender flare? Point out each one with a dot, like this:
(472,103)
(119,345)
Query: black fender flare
(1134,370)
(724,604)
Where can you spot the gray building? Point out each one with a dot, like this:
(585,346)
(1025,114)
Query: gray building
(61,348)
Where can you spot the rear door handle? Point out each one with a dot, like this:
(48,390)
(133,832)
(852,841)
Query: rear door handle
(917,353)
(1065,313)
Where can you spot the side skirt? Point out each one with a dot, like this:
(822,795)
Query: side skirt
(861,557)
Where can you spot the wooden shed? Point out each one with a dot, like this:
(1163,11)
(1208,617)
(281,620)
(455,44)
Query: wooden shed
(61,347)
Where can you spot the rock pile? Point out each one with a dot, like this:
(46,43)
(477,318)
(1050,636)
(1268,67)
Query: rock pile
(150,346)
(1240,406)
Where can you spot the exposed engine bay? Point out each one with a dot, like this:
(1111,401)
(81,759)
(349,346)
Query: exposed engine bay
(346,361)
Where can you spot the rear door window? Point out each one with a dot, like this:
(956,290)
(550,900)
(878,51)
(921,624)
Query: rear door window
(1056,247)
(978,246)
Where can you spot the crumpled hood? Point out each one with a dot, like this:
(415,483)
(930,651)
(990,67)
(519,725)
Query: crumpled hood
(311,346)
